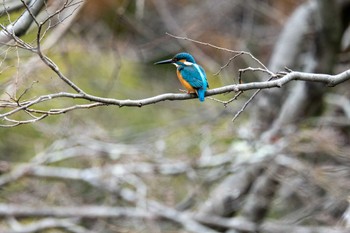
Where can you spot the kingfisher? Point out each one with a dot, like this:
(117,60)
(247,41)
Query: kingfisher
(191,75)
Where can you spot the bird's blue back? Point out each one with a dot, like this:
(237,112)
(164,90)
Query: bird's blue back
(196,77)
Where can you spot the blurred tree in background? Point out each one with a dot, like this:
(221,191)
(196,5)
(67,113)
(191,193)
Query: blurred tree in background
(77,157)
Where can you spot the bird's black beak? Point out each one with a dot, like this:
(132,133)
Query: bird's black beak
(164,62)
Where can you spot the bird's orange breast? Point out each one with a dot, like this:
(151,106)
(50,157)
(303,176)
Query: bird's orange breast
(184,83)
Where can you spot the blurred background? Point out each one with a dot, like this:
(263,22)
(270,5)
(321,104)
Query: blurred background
(284,162)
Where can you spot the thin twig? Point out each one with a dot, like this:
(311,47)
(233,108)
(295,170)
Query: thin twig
(249,100)
(219,48)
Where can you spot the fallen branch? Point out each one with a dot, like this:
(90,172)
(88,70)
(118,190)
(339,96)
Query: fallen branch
(69,224)
(190,221)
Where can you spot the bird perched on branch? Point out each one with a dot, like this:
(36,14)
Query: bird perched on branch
(191,75)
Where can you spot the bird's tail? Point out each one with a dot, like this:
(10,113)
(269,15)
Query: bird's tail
(200,93)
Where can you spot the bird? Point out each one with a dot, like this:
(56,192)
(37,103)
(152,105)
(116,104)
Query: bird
(191,75)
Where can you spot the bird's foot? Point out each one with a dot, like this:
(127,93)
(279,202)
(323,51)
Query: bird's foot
(184,91)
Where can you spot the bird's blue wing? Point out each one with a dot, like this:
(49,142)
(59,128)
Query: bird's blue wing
(195,76)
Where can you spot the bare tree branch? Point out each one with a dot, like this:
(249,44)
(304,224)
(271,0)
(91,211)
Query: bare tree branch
(189,221)
(11,5)
(72,211)
(69,224)
(23,23)
(329,80)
